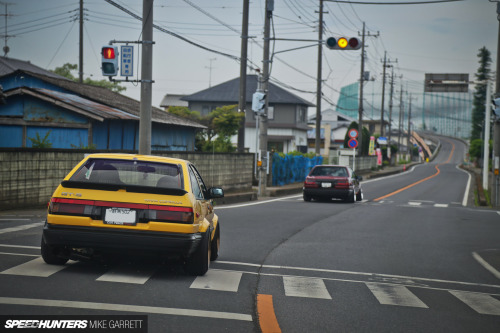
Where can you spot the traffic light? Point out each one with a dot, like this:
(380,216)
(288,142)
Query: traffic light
(109,62)
(496,106)
(343,43)
(258,102)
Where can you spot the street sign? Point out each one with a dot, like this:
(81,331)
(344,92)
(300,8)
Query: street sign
(127,60)
(446,83)
(353,143)
(353,133)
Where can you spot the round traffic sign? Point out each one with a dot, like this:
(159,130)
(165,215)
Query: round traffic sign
(353,133)
(353,143)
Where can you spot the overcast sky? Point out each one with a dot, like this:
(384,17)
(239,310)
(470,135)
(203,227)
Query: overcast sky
(429,38)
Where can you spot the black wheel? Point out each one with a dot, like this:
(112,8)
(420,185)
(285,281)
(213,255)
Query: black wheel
(215,244)
(359,196)
(307,197)
(50,254)
(350,198)
(199,261)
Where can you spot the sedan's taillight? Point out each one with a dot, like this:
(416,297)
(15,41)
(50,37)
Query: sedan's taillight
(309,183)
(71,207)
(171,214)
(343,183)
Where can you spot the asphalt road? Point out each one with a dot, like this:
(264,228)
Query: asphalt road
(409,258)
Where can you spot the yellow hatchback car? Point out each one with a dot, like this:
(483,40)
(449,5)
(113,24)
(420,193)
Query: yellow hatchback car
(133,204)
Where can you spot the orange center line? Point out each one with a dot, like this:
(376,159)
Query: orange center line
(422,180)
(267,317)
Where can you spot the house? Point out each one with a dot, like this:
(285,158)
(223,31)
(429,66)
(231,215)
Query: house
(78,115)
(172,100)
(334,127)
(287,113)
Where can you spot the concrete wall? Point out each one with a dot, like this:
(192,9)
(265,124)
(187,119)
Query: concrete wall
(28,177)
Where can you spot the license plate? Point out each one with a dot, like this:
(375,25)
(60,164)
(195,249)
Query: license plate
(326,184)
(120,216)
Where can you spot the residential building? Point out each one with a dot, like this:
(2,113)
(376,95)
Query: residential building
(75,115)
(287,113)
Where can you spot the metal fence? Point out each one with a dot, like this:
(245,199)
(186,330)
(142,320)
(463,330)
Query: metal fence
(292,169)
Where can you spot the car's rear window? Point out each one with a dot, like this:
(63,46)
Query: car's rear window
(330,171)
(130,173)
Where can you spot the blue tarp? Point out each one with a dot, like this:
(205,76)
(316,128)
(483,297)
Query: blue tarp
(292,169)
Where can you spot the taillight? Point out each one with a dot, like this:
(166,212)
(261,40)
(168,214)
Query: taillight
(343,183)
(171,214)
(71,206)
(309,183)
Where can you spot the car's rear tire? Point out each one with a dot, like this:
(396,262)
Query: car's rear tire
(359,195)
(199,261)
(350,198)
(307,197)
(215,244)
(50,254)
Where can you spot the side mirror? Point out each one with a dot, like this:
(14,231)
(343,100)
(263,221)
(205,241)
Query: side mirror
(216,192)
(359,178)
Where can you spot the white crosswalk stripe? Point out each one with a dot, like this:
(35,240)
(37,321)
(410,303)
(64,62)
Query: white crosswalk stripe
(218,280)
(36,267)
(305,287)
(481,303)
(395,295)
(129,274)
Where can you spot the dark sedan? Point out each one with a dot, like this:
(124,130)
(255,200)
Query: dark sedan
(332,181)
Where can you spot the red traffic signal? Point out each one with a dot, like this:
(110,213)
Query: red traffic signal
(108,53)
(109,60)
(343,43)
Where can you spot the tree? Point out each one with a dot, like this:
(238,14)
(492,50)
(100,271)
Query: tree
(66,69)
(478,109)
(221,123)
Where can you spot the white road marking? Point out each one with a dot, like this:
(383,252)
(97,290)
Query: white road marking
(395,295)
(441,205)
(15,219)
(21,227)
(129,274)
(305,287)
(370,275)
(21,246)
(413,203)
(218,280)
(466,193)
(481,303)
(20,254)
(486,265)
(36,267)
(125,308)
(258,202)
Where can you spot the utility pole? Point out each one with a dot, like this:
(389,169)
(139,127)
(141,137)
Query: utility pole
(80,55)
(6,36)
(210,72)
(387,64)
(400,127)
(318,81)
(496,124)
(243,76)
(390,106)
(409,126)
(265,88)
(361,86)
(146,78)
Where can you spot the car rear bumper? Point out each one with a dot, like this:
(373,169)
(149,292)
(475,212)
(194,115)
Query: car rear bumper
(328,192)
(121,240)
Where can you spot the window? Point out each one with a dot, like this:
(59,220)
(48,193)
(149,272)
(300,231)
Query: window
(301,114)
(197,184)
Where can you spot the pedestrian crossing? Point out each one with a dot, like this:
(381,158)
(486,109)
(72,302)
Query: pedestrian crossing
(294,286)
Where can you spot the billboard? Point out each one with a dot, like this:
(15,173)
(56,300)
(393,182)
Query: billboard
(458,83)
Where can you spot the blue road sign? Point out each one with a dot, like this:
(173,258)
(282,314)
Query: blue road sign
(353,143)
(127,61)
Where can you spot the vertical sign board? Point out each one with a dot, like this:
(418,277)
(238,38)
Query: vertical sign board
(127,61)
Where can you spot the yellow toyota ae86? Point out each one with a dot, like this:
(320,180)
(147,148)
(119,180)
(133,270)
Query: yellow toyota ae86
(134,204)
